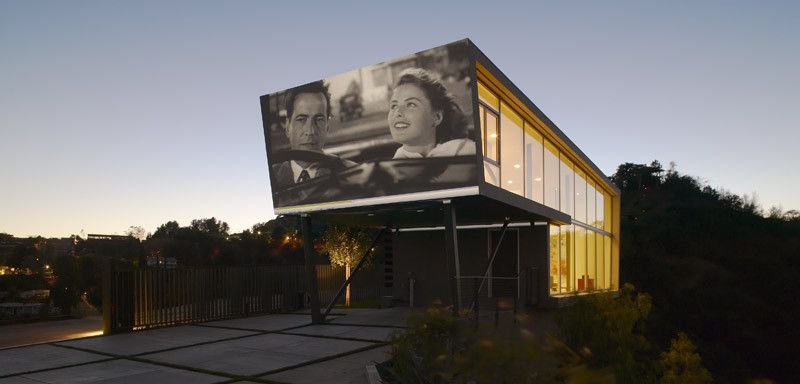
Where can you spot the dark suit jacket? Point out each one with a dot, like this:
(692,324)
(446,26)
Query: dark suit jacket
(282,172)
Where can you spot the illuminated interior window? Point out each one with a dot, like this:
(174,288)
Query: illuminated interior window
(580,196)
(534,165)
(591,202)
(607,261)
(591,260)
(566,259)
(554,258)
(601,263)
(600,209)
(491,170)
(567,187)
(551,164)
(607,213)
(580,259)
(512,173)
(490,134)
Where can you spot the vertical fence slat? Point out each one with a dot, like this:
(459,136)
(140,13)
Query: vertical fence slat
(147,298)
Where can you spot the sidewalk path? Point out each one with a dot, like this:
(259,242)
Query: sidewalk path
(48,331)
(277,348)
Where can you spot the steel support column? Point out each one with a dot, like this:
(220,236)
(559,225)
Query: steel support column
(311,269)
(451,250)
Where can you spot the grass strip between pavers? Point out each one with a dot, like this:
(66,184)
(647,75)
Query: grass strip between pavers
(332,337)
(59,367)
(232,376)
(322,359)
(261,331)
(368,325)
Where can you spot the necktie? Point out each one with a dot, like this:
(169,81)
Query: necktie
(303,176)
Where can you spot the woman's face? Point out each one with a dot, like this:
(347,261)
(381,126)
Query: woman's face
(412,120)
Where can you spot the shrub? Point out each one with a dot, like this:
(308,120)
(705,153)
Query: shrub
(611,331)
(682,364)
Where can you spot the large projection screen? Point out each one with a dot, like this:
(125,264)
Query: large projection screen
(402,130)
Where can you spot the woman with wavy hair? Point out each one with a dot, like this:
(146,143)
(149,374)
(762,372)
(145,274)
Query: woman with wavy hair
(425,119)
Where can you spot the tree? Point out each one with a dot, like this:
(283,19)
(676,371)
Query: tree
(345,246)
(168,229)
(682,364)
(211,226)
(5,237)
(66,290)
(713,263)
(136,232)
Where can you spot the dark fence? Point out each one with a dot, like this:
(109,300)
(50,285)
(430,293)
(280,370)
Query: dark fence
(148,298)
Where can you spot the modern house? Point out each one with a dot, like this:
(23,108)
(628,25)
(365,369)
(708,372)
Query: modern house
(496,201)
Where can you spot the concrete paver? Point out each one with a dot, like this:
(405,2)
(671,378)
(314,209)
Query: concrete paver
(348,331)
(349,369)
(36,357)
(154,340)
(272,322)
(256,354)
(225,347)
(116,371)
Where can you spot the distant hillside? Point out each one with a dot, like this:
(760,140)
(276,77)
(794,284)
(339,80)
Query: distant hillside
(716,268)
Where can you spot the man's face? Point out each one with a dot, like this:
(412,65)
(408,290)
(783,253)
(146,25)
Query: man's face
(308,125)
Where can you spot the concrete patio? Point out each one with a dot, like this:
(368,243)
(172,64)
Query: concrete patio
(276,348)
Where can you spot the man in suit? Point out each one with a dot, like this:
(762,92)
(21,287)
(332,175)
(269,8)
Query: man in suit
(308,111)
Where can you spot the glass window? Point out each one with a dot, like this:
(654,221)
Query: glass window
(490,137)
(607,261)
(551,175)
(554,259)
(580,196)
(601,275)
(600,210)
(580,258)
(567,255)
(591,261)
(607,213)
(491,173)
(511,173)
(534,165)
(591,202)
(567,187)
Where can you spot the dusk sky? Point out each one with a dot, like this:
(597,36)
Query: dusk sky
(115,114)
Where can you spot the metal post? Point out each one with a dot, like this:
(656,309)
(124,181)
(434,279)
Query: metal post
(475,300)
(311,268)
(411,292)
(451,250)
(107,300)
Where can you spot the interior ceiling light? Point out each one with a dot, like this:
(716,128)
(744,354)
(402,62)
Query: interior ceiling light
(516,165)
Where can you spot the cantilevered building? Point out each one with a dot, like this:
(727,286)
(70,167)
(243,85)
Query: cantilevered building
(480,193)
